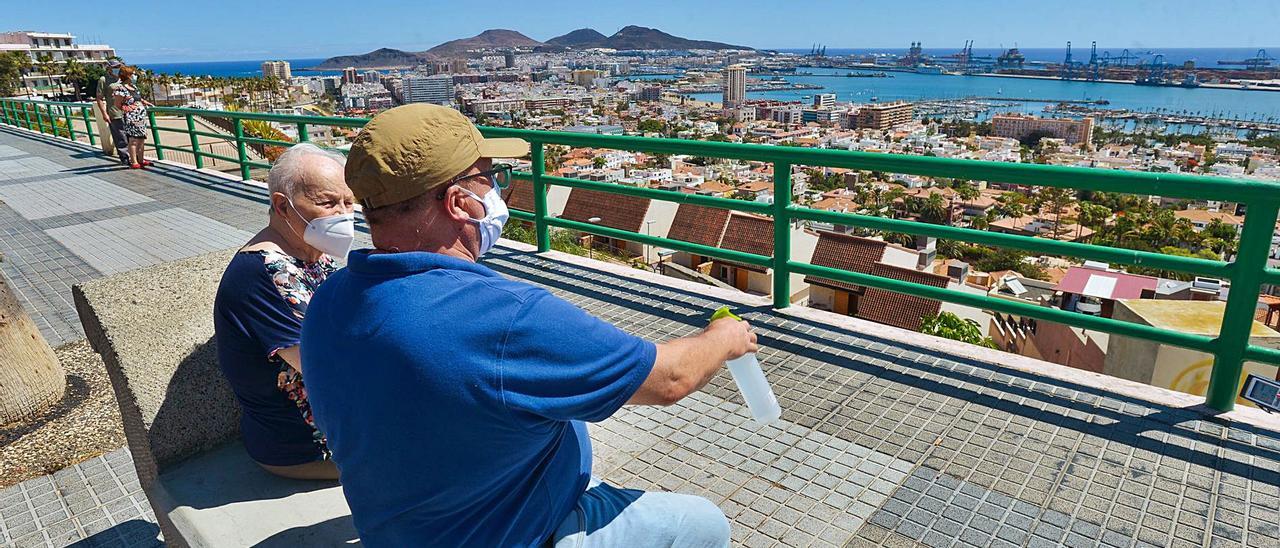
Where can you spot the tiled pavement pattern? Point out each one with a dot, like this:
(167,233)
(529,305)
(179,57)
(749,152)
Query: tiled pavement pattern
(880,444)
(68,215)
(95,503)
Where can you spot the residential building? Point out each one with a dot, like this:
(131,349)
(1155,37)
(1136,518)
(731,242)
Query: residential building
(436,89)
(1093,290)
(349,76)
(868,256)
(586,77)
(1053,342)
(1201,218)
(1171,367)
(824,100)
(735,86)
(609,210)
(650,94)
(58,46)
(371,77)
(1019,126)
(883,115)
(280,70)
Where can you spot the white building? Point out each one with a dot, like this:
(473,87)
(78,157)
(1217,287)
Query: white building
(280,70)
(436,89)
(735,86)
(59,47)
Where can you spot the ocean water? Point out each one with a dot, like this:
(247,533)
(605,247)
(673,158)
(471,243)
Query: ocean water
(1233,103)
(246,68)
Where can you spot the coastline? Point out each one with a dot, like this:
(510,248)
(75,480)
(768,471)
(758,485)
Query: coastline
(1108,81)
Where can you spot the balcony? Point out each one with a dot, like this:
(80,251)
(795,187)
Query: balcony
(888,437)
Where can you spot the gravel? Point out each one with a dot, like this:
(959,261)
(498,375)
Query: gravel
(84,425)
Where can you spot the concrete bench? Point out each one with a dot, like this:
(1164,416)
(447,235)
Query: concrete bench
(154,329)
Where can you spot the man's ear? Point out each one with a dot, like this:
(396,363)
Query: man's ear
(454,199)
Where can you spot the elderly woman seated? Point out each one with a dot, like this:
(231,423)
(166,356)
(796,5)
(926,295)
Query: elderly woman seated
(262,299)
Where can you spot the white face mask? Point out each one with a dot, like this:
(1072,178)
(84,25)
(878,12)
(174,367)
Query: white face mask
(332,234)
(495,216)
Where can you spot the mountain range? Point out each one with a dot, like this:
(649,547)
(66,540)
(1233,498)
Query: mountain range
(628,38)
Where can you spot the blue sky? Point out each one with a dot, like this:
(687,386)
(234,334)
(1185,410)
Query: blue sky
(157,31)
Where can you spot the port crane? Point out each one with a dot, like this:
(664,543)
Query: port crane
(1156,74)
(1069,66)
(1261,61)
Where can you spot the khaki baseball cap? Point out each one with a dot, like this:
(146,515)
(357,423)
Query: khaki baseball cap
(408,150)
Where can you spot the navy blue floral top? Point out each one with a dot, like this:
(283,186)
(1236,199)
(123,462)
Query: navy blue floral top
(258,311)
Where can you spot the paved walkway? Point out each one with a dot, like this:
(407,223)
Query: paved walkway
(881,442)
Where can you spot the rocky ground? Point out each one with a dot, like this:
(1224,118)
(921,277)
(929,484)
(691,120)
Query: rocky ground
(85,424)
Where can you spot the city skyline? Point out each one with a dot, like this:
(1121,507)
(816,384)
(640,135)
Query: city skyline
(237,32)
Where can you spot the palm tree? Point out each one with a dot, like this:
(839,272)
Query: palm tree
(32,380)
(74,72)
(46,65)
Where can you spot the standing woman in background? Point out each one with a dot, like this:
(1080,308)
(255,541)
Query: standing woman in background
(129,100)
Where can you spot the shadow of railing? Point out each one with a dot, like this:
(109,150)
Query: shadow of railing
(1123,419)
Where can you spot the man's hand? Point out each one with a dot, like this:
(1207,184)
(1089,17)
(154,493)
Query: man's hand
(734,336)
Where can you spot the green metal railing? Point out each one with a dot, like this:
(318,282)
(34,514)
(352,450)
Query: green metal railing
(1248,272)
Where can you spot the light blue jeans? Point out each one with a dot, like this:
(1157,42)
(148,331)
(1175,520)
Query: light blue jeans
(609,516)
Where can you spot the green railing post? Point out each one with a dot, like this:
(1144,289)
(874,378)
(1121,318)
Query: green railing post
(39,120)
(781,234)
(155,134)
(1242,303)
(240,151)
(538,169)
(303,136)
(88,126)
(195,141)
(66,115)
(26,113)
(4,112)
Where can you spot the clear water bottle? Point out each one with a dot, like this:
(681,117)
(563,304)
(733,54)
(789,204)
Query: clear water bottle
(751,381)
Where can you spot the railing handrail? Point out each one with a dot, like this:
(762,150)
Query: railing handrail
(1247,272)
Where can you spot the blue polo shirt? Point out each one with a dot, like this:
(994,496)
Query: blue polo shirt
(452,398)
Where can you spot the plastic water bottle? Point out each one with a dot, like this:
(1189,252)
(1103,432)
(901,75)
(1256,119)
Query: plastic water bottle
(755,389)
(751,381)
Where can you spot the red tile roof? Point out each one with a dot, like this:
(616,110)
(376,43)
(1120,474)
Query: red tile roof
(698,224)
(519,195)
(749,234)
(846,253)
(896,309)
(614,210)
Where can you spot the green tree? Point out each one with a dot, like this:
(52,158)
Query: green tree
(76,74)
(950,326)
(47,66)
(12,66)
(598,162)
(652,126)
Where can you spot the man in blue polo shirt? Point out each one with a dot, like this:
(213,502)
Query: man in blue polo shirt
(453,398)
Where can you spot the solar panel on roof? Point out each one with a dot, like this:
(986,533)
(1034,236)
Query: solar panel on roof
(1015,286)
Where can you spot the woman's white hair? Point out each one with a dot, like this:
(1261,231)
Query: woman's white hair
(289,167)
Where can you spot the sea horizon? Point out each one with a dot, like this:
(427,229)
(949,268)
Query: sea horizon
(1204,57)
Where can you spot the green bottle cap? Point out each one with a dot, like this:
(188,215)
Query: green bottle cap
(723,312)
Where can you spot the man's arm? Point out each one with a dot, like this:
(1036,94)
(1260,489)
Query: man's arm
(685,365)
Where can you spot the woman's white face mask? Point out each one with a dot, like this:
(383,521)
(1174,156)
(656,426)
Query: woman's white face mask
(331,234)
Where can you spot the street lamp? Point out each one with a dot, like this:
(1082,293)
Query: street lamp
(591,246)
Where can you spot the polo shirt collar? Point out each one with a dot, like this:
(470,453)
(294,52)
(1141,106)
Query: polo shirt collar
(365,261)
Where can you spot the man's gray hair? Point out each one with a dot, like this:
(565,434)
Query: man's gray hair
(288,169)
